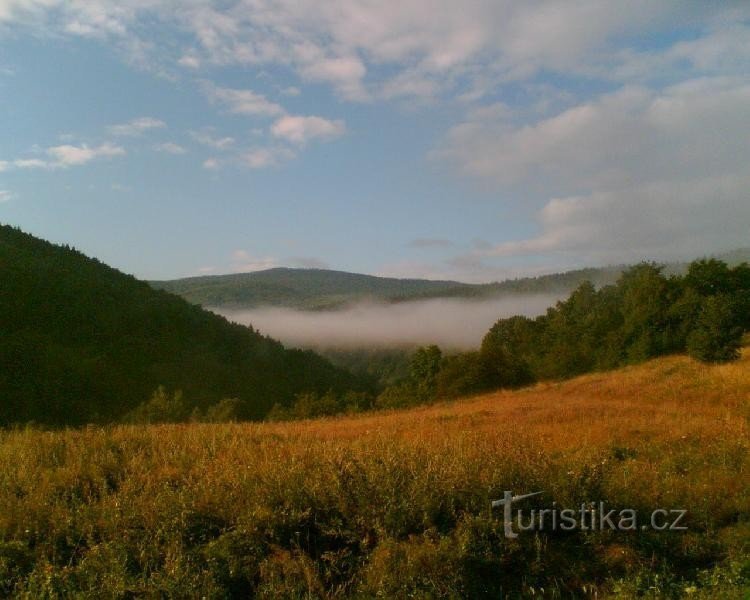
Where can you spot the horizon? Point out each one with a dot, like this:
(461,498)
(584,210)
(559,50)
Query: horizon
(476,143)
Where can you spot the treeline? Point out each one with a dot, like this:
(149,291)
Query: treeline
(644,315)
(81,342)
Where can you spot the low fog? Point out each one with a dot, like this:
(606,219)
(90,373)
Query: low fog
(450,323)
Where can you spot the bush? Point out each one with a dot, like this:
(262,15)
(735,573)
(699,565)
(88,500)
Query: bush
(161,408)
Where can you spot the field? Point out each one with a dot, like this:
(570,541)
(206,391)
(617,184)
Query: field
(395,504)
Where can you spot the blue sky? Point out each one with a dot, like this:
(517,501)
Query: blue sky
(472,141)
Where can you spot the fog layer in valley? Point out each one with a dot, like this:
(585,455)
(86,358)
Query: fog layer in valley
(450,323)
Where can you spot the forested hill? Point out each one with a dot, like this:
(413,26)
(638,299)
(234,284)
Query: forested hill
(321,289)
(308,289)
(82,342)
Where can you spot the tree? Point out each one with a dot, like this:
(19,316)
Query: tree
(161,408)
(717,336)
(424,367)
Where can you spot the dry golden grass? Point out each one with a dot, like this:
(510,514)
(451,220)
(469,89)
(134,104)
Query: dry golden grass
(393,504)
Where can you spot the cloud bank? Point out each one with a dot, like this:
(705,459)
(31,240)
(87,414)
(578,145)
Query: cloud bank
(454,324)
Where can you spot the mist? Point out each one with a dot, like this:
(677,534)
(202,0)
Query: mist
(449,323)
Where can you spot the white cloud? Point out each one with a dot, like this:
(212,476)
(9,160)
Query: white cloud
(136,127)
(635,133)
(30,163)
(170,148)
(64,156)
(299,130)
(68,155)
(242,102)
(207,138)
(211,164)
(260,158)
(639,173)
(346,42)
(5,196)
(189,61)
(345,73)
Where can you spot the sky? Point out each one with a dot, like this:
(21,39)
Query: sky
(473,140)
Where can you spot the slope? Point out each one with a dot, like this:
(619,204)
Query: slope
(82,342)
(397,504)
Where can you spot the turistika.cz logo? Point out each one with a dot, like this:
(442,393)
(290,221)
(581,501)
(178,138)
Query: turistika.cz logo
(592,516)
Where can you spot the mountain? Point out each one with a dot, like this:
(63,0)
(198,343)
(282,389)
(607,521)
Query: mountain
(309,289)
(82,342)
(322,289)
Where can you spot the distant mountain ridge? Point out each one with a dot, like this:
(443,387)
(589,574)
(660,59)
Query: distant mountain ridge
(322,289)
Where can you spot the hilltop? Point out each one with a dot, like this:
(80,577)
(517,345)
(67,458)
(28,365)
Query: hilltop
(82,342)
(323,289)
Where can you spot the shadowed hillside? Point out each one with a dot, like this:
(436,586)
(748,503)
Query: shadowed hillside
(82,342)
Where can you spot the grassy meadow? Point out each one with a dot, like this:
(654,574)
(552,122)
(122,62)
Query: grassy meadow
(394,504)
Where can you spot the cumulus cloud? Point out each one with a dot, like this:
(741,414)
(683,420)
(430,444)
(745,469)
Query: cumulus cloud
(260,158)
(243,102)
(29,163)
(68,155)
(136,127)
(208,138)
(299,130)
(290,129)
(64,156)
(638,173)
(344,43)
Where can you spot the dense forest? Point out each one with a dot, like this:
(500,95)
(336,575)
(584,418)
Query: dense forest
(81,342)
(646,314)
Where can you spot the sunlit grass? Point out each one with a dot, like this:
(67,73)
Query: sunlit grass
(393,504)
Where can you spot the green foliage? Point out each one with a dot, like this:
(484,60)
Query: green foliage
(311,405)
(717,334)
(227,410)
(379,366)
(81,342)
(400,395)
(424,367)
(645,314)
(160,408)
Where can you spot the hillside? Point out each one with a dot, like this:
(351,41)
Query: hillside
(396,504)
(82,342)
(309,289)
(322,289)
